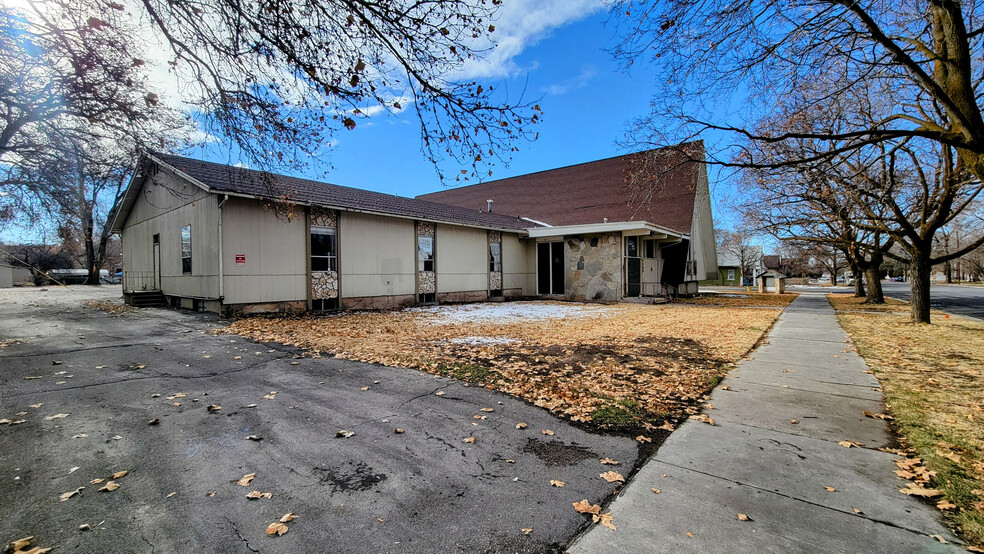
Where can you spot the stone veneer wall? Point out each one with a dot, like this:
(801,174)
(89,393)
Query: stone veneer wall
(594,270)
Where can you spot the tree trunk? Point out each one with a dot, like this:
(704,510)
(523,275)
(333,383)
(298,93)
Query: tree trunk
(875,294)
(919,272)
(948,271)
(858,282)
(90,248)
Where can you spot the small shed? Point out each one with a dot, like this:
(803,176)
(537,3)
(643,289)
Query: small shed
(772,281)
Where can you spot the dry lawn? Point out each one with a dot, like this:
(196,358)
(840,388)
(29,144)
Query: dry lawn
(740,299)
(848,302)
(617,367)
(933,378)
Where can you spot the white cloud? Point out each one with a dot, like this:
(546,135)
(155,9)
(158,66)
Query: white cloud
(581,79)
(520,25)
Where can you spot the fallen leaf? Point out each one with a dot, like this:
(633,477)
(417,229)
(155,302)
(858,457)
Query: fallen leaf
(656,491)
(73,470)
(916,490)
(155,395)
(213,407)
(255,495)
(609,461)
(271,396)
(830,489)
(527,530)
(469,440)
(56,416)
(521,425)
(725,387)
(276,528)
(65,496)
(703,417)
(556,483)
(96,481)
(510,461)
(398,430)
(439,393)
(245,479)
(290,516)
(605,519)
(119,474)
(80,436)
(365,388)
(743,517)
(884,417)
(19,544)
(344,433)
(56,362)
(84,527)
(212,494)
(849,444)
(689,534)
(585,507)
(547,432)
(612,477)
(155,421)
(488,410)
(939,538)
(110,486)
(176,404)
(643,438)
(37,405)
(252,438)
(476,416)
(31,377)
(172,494)
(945,505)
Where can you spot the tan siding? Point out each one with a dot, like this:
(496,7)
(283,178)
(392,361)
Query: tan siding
(376,255)
(164,206)
(462,259)
(518,264)
(275,251)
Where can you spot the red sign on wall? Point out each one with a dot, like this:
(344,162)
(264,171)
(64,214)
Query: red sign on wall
(241,260)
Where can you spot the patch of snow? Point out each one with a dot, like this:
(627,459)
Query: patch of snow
(483,340)
(510,312)
(732,295)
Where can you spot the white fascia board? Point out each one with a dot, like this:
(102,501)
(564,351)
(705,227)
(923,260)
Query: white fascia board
(627,228)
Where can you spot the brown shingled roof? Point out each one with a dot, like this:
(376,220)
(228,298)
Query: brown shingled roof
(657,186)
(225,178)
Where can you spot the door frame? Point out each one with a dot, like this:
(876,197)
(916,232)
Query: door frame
(157,261)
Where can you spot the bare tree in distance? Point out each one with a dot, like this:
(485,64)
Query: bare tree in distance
(738,245)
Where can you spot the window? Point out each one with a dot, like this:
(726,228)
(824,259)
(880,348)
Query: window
(425,253)
(186,249)
(495,257)
(324,304)
(323,251)
(731,275)
(650,248)
(632,247)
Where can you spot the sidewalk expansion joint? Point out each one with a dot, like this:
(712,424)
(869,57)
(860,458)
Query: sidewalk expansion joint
(797,499)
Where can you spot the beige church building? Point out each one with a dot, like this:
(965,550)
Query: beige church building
(219,238)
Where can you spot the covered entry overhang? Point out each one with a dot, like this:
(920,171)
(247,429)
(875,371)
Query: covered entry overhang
(626,228)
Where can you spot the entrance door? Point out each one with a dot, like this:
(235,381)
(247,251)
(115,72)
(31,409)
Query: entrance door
(157,262)
(550,268)
(633,267)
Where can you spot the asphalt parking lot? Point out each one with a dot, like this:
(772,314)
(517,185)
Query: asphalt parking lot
(422,490)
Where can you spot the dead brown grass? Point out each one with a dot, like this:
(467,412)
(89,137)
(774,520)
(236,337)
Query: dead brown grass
(934,388)
(109,306)
(850,302)
(637,365)
(740,299)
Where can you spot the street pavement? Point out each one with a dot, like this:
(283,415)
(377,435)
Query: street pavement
(771,454)
(965,300)
(422,490)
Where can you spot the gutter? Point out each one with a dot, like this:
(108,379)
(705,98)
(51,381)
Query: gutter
(221,275)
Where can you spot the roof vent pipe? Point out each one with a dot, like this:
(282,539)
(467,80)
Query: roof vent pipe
(490,204)
(605,220)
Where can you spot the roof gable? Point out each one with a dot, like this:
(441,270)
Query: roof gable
(658,186)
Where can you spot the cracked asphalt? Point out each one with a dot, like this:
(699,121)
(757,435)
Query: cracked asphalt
(424,490)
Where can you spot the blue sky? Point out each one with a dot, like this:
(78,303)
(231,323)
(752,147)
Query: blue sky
(586,97)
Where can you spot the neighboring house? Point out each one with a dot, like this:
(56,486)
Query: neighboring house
(729,268)
(226,239)
(6,276)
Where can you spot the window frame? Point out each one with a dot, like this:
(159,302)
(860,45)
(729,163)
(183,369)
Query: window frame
(333,256)
(495,257)
(426,260)
(731,274)
(186,251)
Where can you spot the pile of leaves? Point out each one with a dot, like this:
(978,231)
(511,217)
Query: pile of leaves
(110,307)
(934,388)
(618,369)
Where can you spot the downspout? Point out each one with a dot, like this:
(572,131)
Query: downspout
(221,278)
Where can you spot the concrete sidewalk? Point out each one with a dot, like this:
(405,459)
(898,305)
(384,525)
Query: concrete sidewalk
(756,462)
